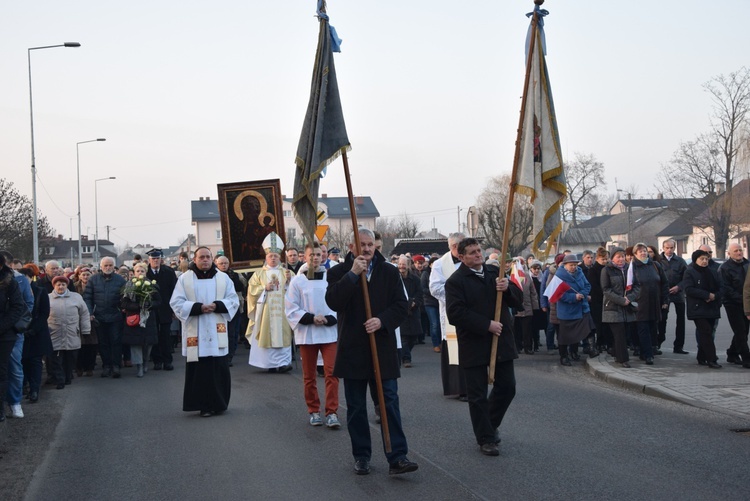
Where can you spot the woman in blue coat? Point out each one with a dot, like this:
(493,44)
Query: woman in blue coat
(573,310)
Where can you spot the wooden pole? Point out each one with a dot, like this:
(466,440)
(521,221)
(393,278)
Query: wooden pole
(368,308)
(512,190)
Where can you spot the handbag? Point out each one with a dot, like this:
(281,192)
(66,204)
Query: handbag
(133,320)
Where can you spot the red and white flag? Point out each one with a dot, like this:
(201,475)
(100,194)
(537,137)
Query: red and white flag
(555,289)
(517,275)
(629,278)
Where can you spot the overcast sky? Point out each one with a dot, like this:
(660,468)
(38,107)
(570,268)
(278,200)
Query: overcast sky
(189,94)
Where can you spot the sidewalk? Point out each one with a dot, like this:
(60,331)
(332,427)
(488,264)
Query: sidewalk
(681,379)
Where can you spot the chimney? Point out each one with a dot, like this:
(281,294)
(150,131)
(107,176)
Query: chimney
(200,199)
(360,200)
(660,196)
(324,195)
(208,198)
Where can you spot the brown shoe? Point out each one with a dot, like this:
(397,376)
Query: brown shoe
(436,349)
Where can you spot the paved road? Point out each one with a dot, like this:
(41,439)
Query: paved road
(567,435)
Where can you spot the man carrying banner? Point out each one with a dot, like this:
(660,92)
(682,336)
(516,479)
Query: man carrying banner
(442,269)
(471,294)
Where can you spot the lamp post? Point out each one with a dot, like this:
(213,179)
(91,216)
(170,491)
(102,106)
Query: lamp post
(78,176)
(33,158)
(96,217)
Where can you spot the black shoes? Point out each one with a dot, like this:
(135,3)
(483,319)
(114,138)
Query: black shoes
(285,368)
(656,350)
(33,397)
(680,352)
(575,356)
(206,413)
(404,466)
(158,366)
(361,467)
(625,365)
(734,359)
(565,361)
(168,367)
(490,449)
(106,372)
(713,365)
(116,373)
(649,360)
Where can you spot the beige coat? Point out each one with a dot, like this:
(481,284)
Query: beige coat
(530,297)
(68,320)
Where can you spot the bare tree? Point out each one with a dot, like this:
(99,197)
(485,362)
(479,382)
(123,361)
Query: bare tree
(388,230)
(16,229)
(707,166)
(406,226)
(492,205)
(584,177)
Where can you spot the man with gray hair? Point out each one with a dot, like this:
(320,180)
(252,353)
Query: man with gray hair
(452,375)
(354,364)
(674,267)
(102,298)
(51,270)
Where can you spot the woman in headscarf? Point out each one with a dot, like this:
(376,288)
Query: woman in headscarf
(703,298)
(573,310)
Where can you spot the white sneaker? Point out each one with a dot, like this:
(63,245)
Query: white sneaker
(332,421)
(315,419)
(16,411)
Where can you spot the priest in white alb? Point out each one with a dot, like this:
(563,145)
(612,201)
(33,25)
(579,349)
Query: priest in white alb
(204,300)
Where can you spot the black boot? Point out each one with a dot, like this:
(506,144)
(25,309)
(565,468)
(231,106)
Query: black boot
(564,360)
(574,352)
(592,347)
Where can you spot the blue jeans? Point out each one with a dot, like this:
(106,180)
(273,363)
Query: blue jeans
(15,373)
(433,314)
(355,391)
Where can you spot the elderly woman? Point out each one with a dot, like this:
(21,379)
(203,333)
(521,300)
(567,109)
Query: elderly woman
(144,334)
(69,319)
(524,318)
(618,308)
(86,360)
(36,342)
(652,299)
(573,310)
(703,304)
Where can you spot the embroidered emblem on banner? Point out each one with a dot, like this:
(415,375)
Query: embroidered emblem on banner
(192,341)
(221,327)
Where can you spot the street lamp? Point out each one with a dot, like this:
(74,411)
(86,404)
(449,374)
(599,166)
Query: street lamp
(78,176)
(96,216)
(33,158)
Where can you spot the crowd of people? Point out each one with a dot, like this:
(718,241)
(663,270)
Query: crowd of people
(310,304)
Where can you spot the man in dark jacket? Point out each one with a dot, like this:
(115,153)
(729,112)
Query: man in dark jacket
(166,279)
(674,268)
(471,294)
(354,357)
(733,273)
(102,297)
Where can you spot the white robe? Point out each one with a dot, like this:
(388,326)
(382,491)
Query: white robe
(268,358)
(309,296)
(205,293)
(441,270)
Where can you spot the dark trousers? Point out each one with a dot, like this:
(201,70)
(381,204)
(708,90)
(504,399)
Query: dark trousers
(526,334)
(110,343)
(32,372)
(355,391)
(705,331)
(487,413)
(233,333)
(645,338)
(740,327)
(86,360)
(6,347)
(549,333)
(407,344)
(619,333)
(162,351)
(62,363)
(679,333)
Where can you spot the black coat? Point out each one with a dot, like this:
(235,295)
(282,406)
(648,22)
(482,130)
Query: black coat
(137,335)
(470,305)
(697,290)
(412,324)
(654,290)
(594,276)
(102,296)
(166,280)
(732,276)
(12,305)
(674,269)
(37,341)
(388,303)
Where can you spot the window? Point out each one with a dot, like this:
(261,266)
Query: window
(218,234)
(291,233)
(86,249)
(287,213)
